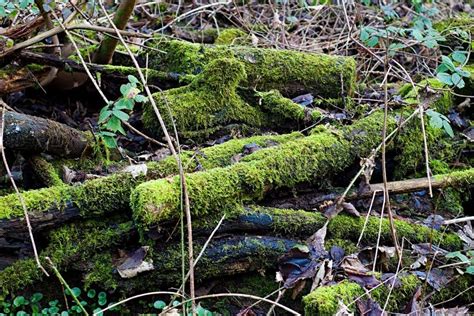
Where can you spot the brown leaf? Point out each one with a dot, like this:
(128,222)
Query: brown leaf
(350,208)
(369,307)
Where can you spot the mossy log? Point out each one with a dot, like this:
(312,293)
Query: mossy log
(50,207)
(292,73)
(212,101)
(75,246)
(109,73)
(318,156)
(325,300)
(34,135)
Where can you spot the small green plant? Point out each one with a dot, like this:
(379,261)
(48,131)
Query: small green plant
(450,71)
(200,311)
(113,114)
(438,120)
(467,259)
(92,301)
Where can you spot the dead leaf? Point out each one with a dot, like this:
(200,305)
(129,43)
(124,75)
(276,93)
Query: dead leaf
(135,263)
(350,208)
(136,170)
(369,307)
(343,310)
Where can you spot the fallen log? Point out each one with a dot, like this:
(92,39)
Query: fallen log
(212,100)
(318,156)
(292,73)
(76,246)
(51,207)
(33,135)
(109,72)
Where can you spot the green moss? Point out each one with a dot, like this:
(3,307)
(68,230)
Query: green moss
(232,36)
(442,103)
(45,171)
(410,144)
(282,109)
(346,244)
(325,299)
(210,100)
(286,71)
(101,274)
(343,227)
(68,244)
(108,194)
(314,157)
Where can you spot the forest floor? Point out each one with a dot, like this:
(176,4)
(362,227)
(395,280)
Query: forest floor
(236,158)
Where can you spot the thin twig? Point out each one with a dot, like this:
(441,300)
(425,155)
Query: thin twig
(384,166)
(64,283)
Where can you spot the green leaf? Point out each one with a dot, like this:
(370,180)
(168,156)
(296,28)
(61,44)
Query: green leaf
(159,304)
(53,310)
(132,79)
(124,104)
(449,63)
(102,301)
(447,128)
(436,122)
(441,68)
(91,293)
(121,115)
(113,125)
(364,35)
(430,43)
(36,297)
(76,291)
(455,78)
(140,98)
(175,303)
(64,313)
(55,302)
(463,73)
(96,312)
(106,133)
(21,313)
(416,33)
(35,309)
(459,56)
(104,115)
(121,130)
(445,78)
(373,41)
(125,89)
(461,84)
(18,301)
(110,142)
(470,270)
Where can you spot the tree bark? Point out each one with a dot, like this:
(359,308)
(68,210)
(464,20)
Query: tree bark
(33,135)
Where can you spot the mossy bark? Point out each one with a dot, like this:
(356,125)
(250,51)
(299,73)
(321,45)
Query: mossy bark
(106,195)
(212,101)
(317,156)
(270,233)
(35,135)
(325,300)
(290,72)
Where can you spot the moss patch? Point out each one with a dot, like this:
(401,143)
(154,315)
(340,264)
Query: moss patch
(289,72)
(112,193)
(232,36)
